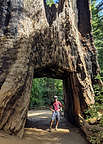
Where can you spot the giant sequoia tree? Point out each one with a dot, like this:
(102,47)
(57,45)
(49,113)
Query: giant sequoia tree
(36,41)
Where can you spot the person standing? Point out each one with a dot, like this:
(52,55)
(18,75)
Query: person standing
(55,108)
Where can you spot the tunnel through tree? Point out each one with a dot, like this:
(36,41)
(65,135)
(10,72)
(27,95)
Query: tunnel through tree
(40,43)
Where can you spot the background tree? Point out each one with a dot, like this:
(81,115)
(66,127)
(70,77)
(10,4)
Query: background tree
(97,24)
(43,91)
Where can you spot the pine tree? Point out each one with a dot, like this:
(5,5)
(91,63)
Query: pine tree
(97,24)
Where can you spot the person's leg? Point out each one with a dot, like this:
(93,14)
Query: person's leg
(52,120)
(51,123)
(57,120)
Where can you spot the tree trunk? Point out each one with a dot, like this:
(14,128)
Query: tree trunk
(37,41)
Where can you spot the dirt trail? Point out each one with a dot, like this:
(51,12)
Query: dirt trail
(37,131)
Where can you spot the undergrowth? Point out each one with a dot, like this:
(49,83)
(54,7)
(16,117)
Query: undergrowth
(95,114)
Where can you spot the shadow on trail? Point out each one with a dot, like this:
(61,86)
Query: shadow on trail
(37,125)
(40,124)
(42,120)
(36,131)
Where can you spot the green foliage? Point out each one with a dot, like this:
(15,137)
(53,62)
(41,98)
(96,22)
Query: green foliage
(101,122)
(97,139)
(96,136)
(94,112)
(99,95)
(97,24)
(98,106)
(43,91)
(36,93)
(49,2)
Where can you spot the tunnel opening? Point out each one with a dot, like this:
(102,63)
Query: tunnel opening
(42,97)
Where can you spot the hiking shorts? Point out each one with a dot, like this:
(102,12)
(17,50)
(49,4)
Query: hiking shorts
(56,115)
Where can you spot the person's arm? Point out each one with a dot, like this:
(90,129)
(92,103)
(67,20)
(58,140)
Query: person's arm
(61,106)
(51,109)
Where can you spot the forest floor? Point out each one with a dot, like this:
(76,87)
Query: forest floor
(37,131)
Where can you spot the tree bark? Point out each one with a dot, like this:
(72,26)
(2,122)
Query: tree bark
(38,41)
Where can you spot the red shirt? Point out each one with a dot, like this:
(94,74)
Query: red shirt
(57,105)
